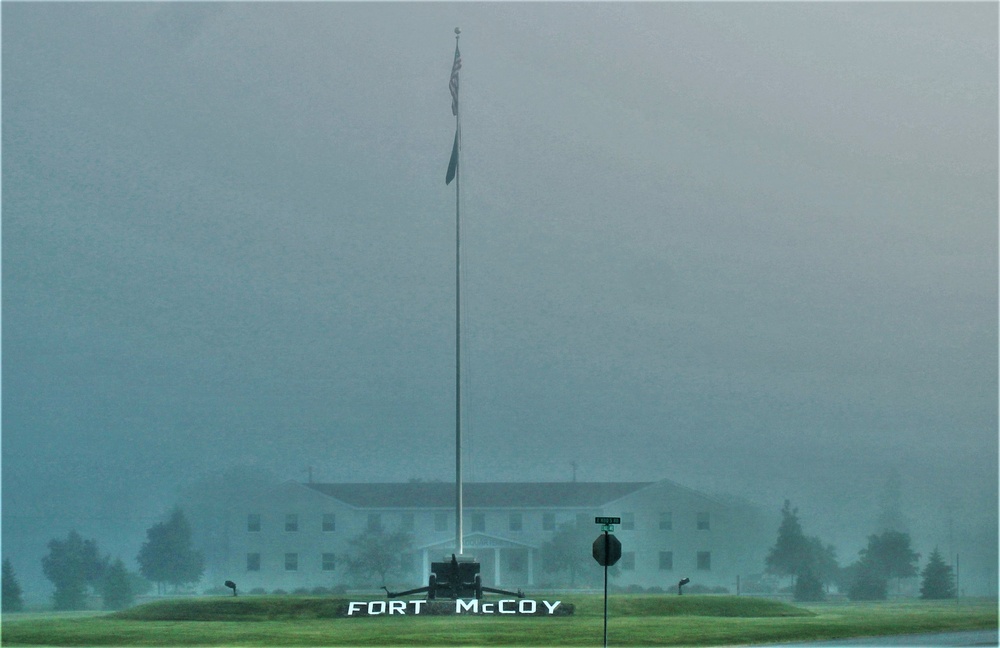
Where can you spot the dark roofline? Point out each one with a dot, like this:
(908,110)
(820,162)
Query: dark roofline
(479,494)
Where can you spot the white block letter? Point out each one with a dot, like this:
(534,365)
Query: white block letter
(552,606)
(461,605)
(487,608)
(353,607)
(416,606)
(397,607)
(376,607)
(527,606)
(501,608)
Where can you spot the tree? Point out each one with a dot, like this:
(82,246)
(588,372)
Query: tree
(167,556)
(823,561)
(890,553)
(116,589)
(809,587)
(72,565)
(10,589)
(791,553)
(869,582)
(378,553)
(890,516)
(569,551)
(938,579)
(805,558)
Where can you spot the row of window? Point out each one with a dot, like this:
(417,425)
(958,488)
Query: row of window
(328,561)
(477,521)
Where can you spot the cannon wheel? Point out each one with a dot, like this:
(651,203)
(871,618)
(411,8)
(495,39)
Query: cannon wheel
(432,587)
(479,586)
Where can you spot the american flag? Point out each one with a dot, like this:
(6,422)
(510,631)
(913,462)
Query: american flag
(453,83)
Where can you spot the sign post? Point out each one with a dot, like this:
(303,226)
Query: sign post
(607,551)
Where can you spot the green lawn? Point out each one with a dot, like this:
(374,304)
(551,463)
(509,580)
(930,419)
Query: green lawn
(633,621)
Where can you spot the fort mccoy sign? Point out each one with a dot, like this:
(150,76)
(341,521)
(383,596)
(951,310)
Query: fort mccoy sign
(522,607)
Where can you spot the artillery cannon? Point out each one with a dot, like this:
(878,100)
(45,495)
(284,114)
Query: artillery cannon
(454,579)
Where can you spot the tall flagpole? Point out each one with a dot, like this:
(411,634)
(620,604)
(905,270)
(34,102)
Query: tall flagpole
(458,304)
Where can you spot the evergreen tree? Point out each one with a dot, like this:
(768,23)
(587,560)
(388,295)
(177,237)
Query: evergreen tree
(890,516)
(73,564)
(805,558)
(938,579)
(11,589)
(167,556)
(116,589)
(790,555)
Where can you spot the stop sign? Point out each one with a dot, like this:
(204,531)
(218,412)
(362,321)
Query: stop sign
(607,549)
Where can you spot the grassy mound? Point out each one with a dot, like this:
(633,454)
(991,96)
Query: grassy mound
(652,605)
(249,608)
(272,608)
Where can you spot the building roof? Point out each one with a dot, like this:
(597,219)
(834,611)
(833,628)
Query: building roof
(479,494)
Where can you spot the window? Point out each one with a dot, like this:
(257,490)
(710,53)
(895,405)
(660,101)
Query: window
(374,522)
(329,562)
(666,520)
(477,522)
(666,560)
(548,521)
(628,521)
(628,561)
(703,521)
(253,562)
(406,521)
(291,562)
(329,522)
(705,560)
(515,522)
(253,522)
(292,522)
(440,521)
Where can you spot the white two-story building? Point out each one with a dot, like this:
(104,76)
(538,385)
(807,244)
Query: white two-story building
(302,534)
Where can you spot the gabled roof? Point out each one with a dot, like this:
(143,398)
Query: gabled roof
(479,494)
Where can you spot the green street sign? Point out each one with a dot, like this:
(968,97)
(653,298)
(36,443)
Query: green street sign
(607,520)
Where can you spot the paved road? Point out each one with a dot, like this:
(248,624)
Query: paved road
(970,638)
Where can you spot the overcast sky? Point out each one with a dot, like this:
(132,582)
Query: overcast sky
(748,247)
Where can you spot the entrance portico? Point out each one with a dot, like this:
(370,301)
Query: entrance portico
(503,562)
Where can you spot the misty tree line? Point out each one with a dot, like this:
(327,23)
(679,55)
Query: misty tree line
(76,568)
(888,556)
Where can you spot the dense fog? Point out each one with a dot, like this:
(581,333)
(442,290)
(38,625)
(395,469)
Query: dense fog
(751,248)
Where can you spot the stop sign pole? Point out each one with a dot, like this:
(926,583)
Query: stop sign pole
(607,551)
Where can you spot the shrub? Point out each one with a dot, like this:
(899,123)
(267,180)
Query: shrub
(869,585)
(809,588)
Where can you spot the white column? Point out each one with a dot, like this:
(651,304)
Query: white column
(426,565)
(496,564)
(531,572)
